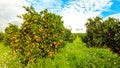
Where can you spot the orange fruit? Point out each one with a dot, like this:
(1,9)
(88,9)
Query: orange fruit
(49,35)
(51,44)
(41,30)
(15,45)
(17,40)
(54,42)
(29,38)
(50,54)
(31,59)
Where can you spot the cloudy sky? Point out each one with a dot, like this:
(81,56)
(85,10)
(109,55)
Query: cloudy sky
(74,12)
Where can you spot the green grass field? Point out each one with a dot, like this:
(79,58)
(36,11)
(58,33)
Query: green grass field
(74,55)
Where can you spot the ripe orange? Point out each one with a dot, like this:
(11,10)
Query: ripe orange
(54,42)
(49,35)
(40,30)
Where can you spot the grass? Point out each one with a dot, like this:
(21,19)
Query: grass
(74,55)
(7,59)
(4,55)
(79,56)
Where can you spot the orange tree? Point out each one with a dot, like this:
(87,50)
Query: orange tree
(102,33)
(112,34)
(41,35)
(94,31)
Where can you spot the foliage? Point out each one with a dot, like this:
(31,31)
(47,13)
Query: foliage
(112,34)
(7,59)
(40,36)
(69,37)
(2,35)
(11,30)
(94,32)
(102,33)
(80,35)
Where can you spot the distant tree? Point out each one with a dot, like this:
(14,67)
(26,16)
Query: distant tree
(2,35)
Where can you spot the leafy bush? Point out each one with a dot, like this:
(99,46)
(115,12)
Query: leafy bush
(40,36)
(69,37)
(10,31)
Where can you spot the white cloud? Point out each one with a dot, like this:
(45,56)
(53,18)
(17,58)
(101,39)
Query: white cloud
(76,13)
(115,16)
(49,4)
(9,9)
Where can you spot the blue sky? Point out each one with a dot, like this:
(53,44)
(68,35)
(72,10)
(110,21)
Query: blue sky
(114,9)
(75,12)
